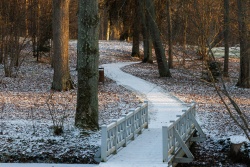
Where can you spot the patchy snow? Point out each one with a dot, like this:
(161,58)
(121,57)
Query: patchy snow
(45,165)
(26,125)
(238,139)
(146,150)
(186,84)
(26,128)
(165,106)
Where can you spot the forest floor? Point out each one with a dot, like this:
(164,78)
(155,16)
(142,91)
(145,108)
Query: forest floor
(30,110)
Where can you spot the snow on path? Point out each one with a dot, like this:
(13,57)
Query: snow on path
(165,106)
(44,165)
(146,150)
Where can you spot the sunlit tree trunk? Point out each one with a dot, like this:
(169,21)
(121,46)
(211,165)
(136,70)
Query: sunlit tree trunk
(61,79)
(87,62)
(156,39)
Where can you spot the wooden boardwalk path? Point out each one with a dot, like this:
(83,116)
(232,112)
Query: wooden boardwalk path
(146,149)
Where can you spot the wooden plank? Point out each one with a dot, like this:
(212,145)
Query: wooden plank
(183,160)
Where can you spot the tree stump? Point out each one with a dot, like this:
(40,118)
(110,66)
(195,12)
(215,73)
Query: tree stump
(236,143)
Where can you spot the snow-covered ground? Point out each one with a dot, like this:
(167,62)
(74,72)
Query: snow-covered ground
(26,124)
(45,165)
(26,128)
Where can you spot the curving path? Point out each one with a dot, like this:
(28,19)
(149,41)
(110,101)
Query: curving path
(146,149)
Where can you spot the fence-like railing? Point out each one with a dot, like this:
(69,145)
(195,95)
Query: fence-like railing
(119,132)
(177,137)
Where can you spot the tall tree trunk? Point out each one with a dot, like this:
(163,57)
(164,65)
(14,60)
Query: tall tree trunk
(226,35)
(244,31)
(108,30)
(185,20)
(61,79)
(157,42)
(1,44)
(136,32)
(34,26)
(1,37)
(170,44)
(147,42)
(38,13)
(26,18)
(88,54)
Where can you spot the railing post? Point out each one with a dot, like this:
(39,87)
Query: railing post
(133,123)
(104,145)
(147,118)
(116,134)
(125,130)
(165,143)
(193,109)
(140,120)
(185,124)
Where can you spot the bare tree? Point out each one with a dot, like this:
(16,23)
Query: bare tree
(244,31)
(147,42)
(170,43)
(136,31)
(11,16)
(156,38)
(61,78)
(226,35)
(87,65)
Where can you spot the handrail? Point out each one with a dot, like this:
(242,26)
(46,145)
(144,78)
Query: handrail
(120,131)
(178,133)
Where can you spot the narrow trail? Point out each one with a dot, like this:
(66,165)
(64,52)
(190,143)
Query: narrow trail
(146,149)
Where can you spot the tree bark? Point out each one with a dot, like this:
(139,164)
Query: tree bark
(88,54)
(170,44)
(147,42)
(156,39)
(26,18)
(244,31)
(226,39)
(136,32)
(61,79)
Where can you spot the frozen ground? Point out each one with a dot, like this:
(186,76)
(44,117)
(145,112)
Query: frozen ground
(26,133)
(26,125)
(45,165)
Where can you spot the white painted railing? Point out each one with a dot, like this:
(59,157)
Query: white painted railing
(177,136)
(119,132)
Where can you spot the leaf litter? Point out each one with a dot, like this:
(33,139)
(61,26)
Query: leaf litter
(26,123)
(186,84)
(26,128)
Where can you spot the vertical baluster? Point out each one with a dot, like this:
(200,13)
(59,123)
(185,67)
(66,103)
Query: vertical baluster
(104,146)
(165,141)
(173,140)
(185,123)
(140,120)
(133,123)
(147,118)
(115,136)
(125,133)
